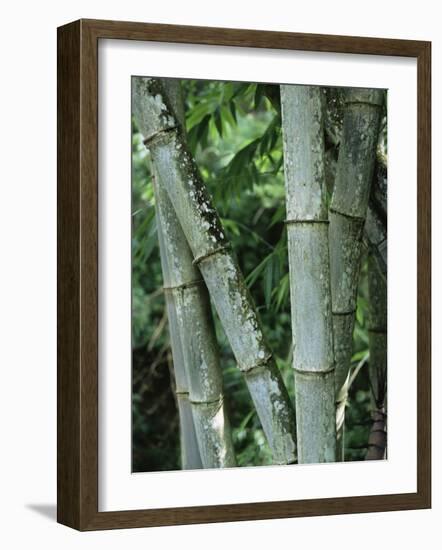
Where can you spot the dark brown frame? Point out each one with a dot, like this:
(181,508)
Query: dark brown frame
(77,459)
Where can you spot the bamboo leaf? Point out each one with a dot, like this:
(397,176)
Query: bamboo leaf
(268,281)
(282,291)
(255,274)
(233,110)
(259,94)
(218,122)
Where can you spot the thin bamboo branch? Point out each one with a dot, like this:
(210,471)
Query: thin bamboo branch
(307,227)
(347,215)
(210,247)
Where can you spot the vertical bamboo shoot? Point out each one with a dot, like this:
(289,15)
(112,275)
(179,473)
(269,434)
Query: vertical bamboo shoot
(347,214)
(307,226)
(194,346)
(377,340)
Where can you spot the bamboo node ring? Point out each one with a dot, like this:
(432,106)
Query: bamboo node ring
(345,215)
(156,136)
(360,102)
(315,372)
(350,312)
(288,222)
(203,257)
(183,285)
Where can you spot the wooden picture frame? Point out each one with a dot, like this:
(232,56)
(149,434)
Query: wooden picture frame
(77,460)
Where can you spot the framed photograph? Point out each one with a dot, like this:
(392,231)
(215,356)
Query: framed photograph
(234,341)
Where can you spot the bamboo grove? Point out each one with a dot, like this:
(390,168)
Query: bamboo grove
(317,159)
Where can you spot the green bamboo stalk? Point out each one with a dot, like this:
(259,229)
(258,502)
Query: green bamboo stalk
(347,215)
(376,238)
(376,222)
(375,234)
(190,454)
(192,326)
(377,340)
(195,349)
(212,254)
(307,227)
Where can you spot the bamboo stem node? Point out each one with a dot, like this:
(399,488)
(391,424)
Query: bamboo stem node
(219,400)
(360,219)
(348,312)
(289,222)
(309,372)
(257,365)
(157,136)
(183,286)
(365,96)
(356,102)
(203,257)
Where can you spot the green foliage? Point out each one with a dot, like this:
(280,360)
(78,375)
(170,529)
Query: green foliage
(234,133)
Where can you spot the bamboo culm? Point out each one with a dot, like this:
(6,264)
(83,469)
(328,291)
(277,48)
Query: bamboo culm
(190,454)
(347,213)
(217,264)
(194,346)
(376,222)
(377,341)
(376,238)
(375,234)
(307,227)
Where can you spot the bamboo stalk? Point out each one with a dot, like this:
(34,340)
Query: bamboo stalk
(212,254)
(307,227)
(377,340)
(375,234)
(192,324)
(194,348)
(190,454)
(347,215)
(189,451)
(376,222)
(376,237)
